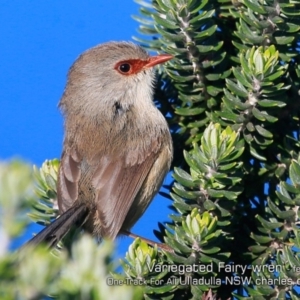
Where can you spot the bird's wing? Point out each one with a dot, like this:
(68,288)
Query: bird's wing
(117,181)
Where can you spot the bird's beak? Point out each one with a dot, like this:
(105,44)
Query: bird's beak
(158,59)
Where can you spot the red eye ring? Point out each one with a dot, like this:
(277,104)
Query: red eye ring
(130,66)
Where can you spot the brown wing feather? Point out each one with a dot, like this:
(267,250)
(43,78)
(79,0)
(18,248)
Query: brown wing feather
(68,178)
(117,183)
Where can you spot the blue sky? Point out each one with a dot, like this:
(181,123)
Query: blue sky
(40,41)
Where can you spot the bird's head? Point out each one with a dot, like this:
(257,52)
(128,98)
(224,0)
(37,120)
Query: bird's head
(114,72)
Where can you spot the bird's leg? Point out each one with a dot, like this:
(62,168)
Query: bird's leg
(149,242)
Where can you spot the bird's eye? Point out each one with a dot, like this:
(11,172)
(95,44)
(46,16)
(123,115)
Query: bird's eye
(124,68)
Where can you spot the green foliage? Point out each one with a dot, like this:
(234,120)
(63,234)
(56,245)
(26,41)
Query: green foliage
(231,95)
(140,266)
(167,275)
(85,272)
(45,206)
(278,240)
(15,198)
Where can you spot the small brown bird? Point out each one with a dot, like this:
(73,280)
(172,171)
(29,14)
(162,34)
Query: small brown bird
(117,147)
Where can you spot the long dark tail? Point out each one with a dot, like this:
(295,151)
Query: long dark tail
(54,232)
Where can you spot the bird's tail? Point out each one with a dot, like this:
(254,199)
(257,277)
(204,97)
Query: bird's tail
(54,232)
